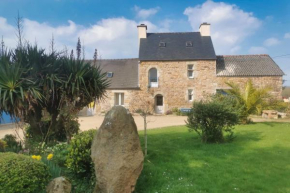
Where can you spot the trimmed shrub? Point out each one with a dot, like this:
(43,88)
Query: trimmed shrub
(79,157)
(211,119)
(22,174)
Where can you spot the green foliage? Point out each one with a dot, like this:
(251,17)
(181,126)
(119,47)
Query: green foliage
(250,100)
(33,81)
(3,145)
(22,174)
(53,169)
(12,144)
(60,152)
(79,158)
(80,163)
(211,119)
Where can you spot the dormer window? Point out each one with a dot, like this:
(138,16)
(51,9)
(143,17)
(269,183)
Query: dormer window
(162,44)
(188,44)
(109,74)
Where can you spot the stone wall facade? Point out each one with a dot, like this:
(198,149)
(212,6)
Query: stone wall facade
(174,84)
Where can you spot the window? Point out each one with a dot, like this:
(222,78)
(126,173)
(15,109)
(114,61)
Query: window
(109,74)
(162,44)
(188,44)
(119,98)
(190,95)
(153,77)
(190,73)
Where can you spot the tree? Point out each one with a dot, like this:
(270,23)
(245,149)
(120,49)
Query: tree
(144,106)
(32,81)
(95,56)
(250,100)
(79,49)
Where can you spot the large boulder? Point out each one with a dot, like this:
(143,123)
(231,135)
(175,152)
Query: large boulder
(59,185)
(116,153)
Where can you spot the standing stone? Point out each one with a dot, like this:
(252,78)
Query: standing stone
(116,153)
(59,185)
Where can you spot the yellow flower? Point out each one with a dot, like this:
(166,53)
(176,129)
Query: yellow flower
(50,156)
(36,157)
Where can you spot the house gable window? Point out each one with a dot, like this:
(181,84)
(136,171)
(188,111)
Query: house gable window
(190,71)
(119,99)
(153,77)
(190,94)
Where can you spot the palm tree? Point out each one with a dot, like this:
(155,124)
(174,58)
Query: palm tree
(250,100)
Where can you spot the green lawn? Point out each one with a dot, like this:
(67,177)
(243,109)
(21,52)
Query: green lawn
(258,160)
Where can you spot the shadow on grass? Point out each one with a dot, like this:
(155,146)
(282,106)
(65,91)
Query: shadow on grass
(179,162)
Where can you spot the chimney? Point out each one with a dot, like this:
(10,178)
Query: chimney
(204,29)
(142,31)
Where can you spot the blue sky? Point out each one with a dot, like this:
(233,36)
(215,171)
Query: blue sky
(237,27)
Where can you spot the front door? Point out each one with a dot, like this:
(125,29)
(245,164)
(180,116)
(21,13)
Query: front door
(159,104)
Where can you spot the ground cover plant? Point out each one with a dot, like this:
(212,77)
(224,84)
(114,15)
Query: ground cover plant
(256,161)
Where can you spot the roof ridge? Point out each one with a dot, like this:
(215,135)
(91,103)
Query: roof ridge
(244,55)
(172,32)
(116,59)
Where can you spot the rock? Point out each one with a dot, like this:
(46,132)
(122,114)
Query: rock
(116,153)
(59,185)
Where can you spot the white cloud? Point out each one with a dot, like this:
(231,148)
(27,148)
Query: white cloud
(271,42)
(145,13)
(258,50)
(113,37)
(229,24)
(287,35)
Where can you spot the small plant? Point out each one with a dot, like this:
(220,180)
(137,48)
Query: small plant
(3,145)
(79,158)
(21,173)
(12,144)
(211,119)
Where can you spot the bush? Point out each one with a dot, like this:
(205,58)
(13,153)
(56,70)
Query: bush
(60,152)
(12,144)
(79,157)
(211,119)
(20,173)
(80,163)
(3,145)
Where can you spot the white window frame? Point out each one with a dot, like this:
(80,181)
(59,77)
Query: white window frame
(153,84)
(190,93)
(119,96)
(190,70)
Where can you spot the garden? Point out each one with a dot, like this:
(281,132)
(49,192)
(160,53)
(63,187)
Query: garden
(219,149)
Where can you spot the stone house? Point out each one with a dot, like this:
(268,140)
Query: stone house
(174,69)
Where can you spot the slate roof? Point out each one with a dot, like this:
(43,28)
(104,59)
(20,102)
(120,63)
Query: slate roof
(247,65)
(175,48)
(125,72)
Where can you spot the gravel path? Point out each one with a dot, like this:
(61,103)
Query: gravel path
(96,121)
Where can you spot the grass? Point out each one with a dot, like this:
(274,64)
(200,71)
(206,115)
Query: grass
(258,160)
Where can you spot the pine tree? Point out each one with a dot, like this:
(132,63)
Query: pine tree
(79,49)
